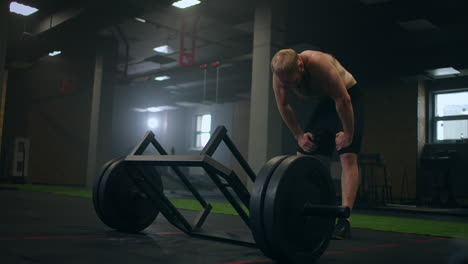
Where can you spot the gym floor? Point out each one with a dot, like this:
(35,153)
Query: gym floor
(39,227)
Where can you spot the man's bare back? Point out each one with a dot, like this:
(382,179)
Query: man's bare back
(317,85)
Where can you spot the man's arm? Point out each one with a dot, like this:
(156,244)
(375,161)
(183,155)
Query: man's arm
(336,89)
(345,111)
(288,115)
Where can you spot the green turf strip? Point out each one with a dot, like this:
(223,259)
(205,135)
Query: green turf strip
(382,223)
(410,225)
(69,191)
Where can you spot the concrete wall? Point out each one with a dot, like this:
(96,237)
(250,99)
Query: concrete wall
(50,103)
(390,114)
(56,122)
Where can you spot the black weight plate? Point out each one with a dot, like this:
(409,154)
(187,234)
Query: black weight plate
(256,201)
(291,236)
(121,204)
(96,186)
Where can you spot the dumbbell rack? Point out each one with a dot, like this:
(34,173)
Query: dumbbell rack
(215,170)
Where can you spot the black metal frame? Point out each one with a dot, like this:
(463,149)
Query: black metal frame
(215,171)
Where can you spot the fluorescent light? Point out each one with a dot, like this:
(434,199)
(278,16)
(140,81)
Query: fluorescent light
(185,3)
(443,71)
(153,109)
(55,53)
(161,108)
(162,78)
(142,20)
(188,104)
(164,49)
(22,9)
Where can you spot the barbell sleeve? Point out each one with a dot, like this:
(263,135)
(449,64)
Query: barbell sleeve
(327,210)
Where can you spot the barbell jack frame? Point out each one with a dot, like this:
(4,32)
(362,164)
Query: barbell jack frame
(214,169)
(150,138)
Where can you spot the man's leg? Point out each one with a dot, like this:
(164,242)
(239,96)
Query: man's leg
(349,179)
(349,186)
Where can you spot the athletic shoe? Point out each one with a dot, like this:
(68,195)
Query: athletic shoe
(342,229)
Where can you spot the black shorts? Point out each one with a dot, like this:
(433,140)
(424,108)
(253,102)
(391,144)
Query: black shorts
(325,123)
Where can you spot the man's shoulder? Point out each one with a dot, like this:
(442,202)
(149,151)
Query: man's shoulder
(312,56)
(315,53)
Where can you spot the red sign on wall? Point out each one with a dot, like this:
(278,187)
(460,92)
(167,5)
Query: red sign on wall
(68,85)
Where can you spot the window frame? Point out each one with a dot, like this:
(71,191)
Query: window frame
(433,119)
(200,132)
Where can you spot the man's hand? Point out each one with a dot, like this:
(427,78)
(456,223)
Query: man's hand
(342,140)
(305,141)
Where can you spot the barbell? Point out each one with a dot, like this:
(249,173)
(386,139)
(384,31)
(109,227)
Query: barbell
(292,209)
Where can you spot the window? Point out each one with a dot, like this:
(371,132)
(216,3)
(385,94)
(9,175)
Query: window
(203,130)
(450,115)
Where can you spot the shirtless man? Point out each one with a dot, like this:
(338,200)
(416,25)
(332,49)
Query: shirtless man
(336,122)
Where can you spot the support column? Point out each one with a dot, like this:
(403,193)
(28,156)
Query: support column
(94,121)
(265,121)
(3,88)
(421,118)
(4,14)
(421,128)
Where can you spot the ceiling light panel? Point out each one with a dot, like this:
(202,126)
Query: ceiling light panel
(185,3)
(21,9)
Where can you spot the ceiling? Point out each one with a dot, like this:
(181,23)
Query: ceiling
(374,39)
